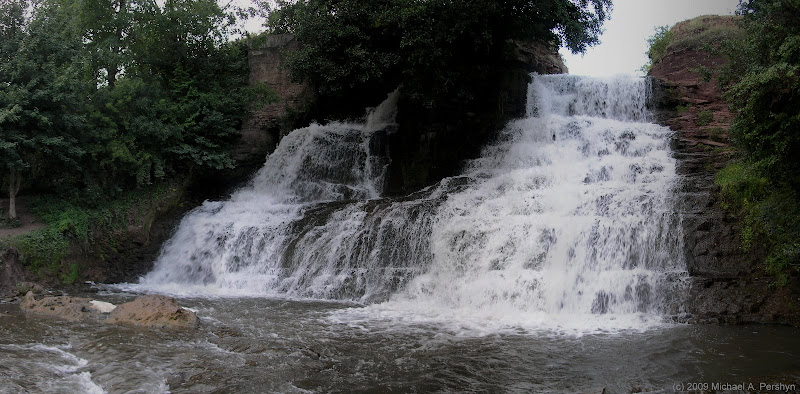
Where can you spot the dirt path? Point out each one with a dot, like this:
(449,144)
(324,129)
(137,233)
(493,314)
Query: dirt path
(29,222)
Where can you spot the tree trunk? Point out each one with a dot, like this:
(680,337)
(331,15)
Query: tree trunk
(13,188)
(112,77)
(114,70)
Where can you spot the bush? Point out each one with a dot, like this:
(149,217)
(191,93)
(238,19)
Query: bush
(768,215)
(659,42)
(72,226)
(704,117)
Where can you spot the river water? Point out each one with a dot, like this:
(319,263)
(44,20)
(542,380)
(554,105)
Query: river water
(552,263)
(268,345)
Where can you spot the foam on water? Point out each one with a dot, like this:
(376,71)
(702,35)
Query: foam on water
(566,222)
(47,368)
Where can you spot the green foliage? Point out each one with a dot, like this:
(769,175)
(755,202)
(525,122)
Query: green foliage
(741,186)
(763,87)
(437,50)
(704,73)
(767,97)
(102,97)
(71,225)
(711,34)
(768,215)
(681,108)
(705,33)
(42,249)
(716,134)
(42,92)
(658,44)
(72,275)
(704,117)
(6,222)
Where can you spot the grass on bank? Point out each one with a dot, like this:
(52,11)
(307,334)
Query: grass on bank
(71,228)
(768,215)
(704,33)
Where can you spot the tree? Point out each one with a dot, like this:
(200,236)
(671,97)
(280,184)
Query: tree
(435,49)
(40,94)
(764,186)
(105,26)
(767,97)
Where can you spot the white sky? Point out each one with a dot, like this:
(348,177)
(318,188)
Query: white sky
(624,43)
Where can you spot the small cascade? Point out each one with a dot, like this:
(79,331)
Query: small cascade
(249,244)
(568,215)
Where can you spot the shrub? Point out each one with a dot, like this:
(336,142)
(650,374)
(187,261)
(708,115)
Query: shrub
(704,117)
(768,215)
(658,42)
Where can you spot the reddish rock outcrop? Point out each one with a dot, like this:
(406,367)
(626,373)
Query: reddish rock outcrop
(728,285)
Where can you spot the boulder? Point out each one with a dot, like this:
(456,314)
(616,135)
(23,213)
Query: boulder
(63,307)
(24,287)
(154,311)
(102,307)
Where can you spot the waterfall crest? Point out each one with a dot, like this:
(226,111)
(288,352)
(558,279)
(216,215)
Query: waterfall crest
(567,215)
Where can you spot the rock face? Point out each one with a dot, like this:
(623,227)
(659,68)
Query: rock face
(728,284)
(430,145)
(154,311)
(261,132)
(11,273)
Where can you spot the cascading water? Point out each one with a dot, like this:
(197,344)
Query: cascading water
(568,216)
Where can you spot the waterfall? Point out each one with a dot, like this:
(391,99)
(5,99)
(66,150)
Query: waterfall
(568,215)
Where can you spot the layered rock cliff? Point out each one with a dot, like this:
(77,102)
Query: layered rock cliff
(728,283)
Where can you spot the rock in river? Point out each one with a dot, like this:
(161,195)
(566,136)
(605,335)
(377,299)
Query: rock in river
(154,311)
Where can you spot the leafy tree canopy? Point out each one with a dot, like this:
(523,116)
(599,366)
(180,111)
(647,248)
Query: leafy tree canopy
(112,95)
(764,187)
(767,97)
(435,49)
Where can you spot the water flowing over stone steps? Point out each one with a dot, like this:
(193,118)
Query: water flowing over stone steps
(568,214)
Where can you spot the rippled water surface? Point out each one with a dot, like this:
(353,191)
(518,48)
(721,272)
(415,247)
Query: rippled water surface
(267,345)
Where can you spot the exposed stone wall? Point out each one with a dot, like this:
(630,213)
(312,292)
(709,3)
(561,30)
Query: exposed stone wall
(262,131)
(728,284)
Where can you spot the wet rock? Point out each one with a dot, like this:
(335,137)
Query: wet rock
(63,307)
(11,273)
(102,307)
(24,287)
(154,311)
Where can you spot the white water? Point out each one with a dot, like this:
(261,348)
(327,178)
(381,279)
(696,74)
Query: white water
(565,222)
(49,368)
